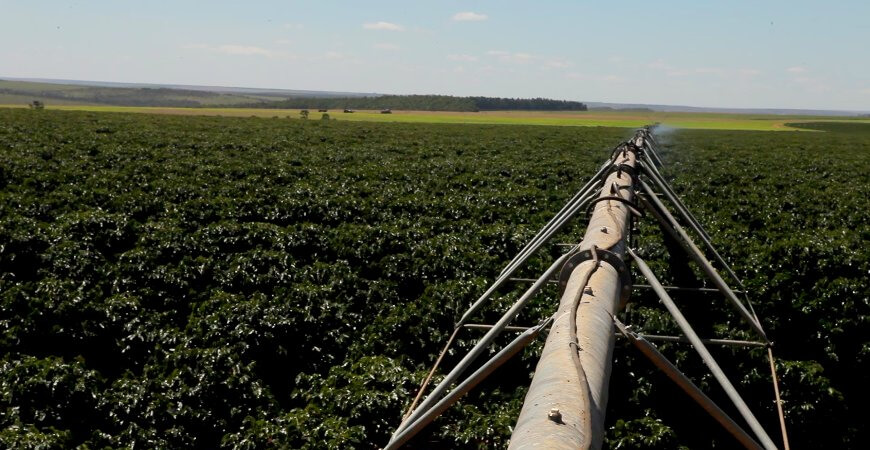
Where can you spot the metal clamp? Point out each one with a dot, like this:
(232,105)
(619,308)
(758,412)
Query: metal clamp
(620,168)
(602,255)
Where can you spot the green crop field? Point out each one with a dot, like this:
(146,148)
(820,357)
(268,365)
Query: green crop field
(626,119)
(184,281)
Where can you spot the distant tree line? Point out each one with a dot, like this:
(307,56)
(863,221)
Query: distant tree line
(121,96)
(424,103)
(173,97)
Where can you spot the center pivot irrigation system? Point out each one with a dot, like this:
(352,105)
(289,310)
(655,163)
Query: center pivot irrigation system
(567,399)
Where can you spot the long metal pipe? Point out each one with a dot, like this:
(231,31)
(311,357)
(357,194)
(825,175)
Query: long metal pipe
(705,354)
(660,361)
(566,402)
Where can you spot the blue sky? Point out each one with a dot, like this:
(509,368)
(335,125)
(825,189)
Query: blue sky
(786,54)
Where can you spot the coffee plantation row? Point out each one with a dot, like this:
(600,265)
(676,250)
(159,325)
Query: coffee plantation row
(193,282)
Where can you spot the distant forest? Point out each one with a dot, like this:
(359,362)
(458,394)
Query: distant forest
(173,97)
(425,103)
(119,96)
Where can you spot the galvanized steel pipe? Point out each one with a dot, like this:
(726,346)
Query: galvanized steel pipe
(565,405)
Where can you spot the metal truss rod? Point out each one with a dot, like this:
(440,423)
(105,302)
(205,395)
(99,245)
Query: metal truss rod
(670,194)
(778,399)
(705,354)
(651,148)
(561,215)
(737,343)
(482,344)
(473,380)
(654,172)
(480,326)
(430,374)
(551,230)
(530,280)
(693,223)
(661,213)
(511,268)
(681,289)
(662,363)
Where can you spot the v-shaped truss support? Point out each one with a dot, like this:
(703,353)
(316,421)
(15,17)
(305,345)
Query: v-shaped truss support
(565,404)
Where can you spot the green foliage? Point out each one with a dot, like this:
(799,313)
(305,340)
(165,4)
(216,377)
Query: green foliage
(192,282)
(642,432)
(861,128)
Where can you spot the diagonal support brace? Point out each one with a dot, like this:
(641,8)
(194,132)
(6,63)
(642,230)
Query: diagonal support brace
(473,380)
(662,363)
(482,344)
(717,372)
(690,220)
(661,213)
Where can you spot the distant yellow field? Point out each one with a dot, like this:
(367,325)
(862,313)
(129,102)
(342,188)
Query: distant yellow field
(628,119)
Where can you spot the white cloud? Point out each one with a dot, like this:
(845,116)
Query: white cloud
(796,69)
(615,59)
(613,78)
(659,64)
(865,91)
(245,50)
(233,49)
(516,58)
(386,46)
(609,78)
(558,64)
(469,16)
(749,72)
(465,58)
(386,26)
(284,42)
(674,71)
(811,84)
(333,55)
